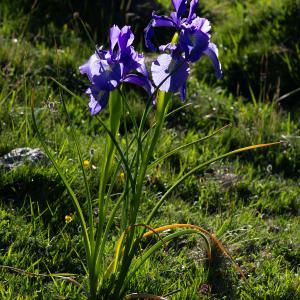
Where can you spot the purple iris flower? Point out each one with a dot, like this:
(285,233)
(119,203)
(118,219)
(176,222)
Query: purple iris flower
(107,69)
(193,42)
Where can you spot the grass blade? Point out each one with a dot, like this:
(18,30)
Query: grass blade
(200,167)
(89,198)
(65,182)
(185,146)
(157,246)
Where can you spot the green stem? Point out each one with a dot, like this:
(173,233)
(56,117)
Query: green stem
(115,108)
(115,111)
(130,247)
(161,111)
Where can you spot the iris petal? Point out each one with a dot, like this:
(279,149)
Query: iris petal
(193,6)
(114,34)
(180,6)
(126,37)
(140,81)
(172,71)
(107,77)
(169,46)
(201,24)
(148,34)
(91,67)
(183,92)
(162,21)
(131,60)
(193,43)
(98,99)
(212,52)
(157,21)
(142,68)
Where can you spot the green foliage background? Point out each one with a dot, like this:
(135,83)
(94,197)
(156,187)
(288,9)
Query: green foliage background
(251,202)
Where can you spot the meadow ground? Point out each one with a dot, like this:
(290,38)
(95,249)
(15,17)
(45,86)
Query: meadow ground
(250,201)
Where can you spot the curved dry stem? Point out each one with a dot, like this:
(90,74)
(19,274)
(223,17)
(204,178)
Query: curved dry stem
(175,226)
(120,241)
(204,231)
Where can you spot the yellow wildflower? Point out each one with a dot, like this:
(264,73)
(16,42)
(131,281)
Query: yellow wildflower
(86,163)
(68,219)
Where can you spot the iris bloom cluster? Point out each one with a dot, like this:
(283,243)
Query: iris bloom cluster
(170,71)
(107,69)
(193,41)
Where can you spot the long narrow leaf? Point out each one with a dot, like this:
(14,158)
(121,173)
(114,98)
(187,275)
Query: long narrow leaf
(153,164)
(200,167)
(88,193)
(65,182)
(119,151)
(67,90)
(110,221)
(177,110)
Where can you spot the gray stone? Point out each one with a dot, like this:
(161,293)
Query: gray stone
(21,156)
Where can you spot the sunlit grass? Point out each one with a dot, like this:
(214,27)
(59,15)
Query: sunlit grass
(251,201)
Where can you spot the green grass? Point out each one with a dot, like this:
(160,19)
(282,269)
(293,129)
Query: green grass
(251,201)
(259,47)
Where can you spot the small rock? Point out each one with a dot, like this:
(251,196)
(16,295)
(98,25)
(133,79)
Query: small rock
(228,179)
(21,156)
